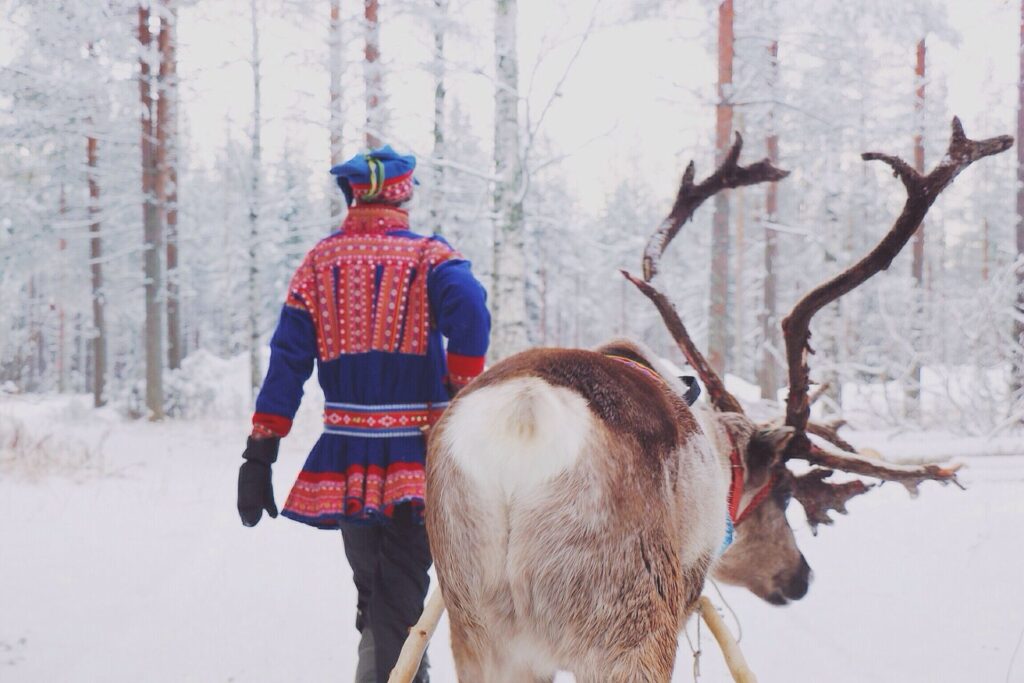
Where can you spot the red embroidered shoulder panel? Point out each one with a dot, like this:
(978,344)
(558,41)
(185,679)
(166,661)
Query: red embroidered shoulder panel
(338,286)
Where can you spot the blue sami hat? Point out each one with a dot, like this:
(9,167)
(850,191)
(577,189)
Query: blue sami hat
(379,175)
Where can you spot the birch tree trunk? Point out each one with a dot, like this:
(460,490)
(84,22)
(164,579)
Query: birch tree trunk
(373,77)
(99,332)
(768,376)
(62,247)
(1017,371)
(509,275)
(256,141)
(337,122)
(913,391)
(167,144)
(739,304)
(718,314)
(151,230)
(438,190)
(917,268)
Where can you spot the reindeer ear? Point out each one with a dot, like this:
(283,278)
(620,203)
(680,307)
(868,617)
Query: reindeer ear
(766,446)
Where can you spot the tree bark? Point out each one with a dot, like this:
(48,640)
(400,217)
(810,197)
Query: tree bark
(372,76)
(255,374)
(917,267)
(151,231)
(718,314)
(62,246)
(99,333)
(509,282)
(738,307)
(768,375)
(1017,371)
(337,123)
(167,162)
(913,391)
(438,193)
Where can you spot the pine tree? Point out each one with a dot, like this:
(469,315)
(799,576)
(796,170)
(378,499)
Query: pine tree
(153,233)
(373,76)
(718,312)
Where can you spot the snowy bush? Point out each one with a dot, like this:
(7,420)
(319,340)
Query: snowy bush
(205,386)
(31,454)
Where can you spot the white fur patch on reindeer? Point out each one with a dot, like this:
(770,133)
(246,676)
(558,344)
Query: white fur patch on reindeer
(512,437)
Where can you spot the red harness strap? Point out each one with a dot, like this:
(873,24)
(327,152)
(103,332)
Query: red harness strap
(736,486)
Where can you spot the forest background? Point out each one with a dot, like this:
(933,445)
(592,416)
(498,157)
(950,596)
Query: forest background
(163,169)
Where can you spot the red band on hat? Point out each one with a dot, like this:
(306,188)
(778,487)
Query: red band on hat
(387,181)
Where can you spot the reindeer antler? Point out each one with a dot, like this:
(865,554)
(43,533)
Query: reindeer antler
(719,395)
(728,175)
(922,190)
(921,193)
(819,497)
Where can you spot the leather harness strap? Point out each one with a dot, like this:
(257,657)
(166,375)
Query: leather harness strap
(736,486)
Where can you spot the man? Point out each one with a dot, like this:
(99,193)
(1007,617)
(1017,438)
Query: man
(370,304)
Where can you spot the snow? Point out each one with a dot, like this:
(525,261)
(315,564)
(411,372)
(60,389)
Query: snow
(123,559)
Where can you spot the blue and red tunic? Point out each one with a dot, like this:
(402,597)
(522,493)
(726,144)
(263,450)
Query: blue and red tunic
(370,304)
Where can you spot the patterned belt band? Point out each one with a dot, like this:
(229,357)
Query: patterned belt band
(381,421)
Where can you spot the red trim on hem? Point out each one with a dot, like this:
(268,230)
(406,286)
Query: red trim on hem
(267,424)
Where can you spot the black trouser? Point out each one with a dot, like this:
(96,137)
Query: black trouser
(389,565)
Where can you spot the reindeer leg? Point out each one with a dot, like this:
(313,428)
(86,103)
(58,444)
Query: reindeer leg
(651,661)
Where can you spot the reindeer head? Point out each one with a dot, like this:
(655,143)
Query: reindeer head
(764,558)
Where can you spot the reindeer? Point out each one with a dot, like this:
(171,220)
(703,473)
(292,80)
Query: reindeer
(576,504)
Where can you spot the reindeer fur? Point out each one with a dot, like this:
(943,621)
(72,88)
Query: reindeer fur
(574,508)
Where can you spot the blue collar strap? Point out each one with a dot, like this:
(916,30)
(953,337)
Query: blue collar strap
(730,531)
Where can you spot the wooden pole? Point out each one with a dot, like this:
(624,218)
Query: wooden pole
(416,644)
(741,673)
(420,634)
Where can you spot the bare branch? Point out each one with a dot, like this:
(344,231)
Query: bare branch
(720,397)
(729,175)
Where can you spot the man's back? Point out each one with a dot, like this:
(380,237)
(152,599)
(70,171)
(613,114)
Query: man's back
(370,307)
(371,304)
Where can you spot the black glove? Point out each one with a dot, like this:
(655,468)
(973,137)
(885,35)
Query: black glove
(255,492)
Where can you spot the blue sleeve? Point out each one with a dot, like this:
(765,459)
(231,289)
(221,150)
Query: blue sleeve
(459,303)
(292,356)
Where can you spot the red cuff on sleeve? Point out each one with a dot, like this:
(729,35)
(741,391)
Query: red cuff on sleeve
(265,425)
(462,369)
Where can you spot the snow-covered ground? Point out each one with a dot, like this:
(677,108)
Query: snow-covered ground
(122,559)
